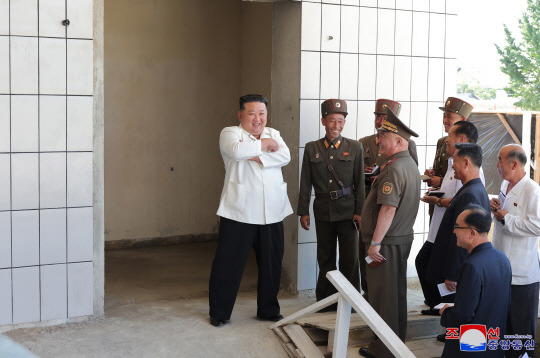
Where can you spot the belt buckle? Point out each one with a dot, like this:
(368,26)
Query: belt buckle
(334,195)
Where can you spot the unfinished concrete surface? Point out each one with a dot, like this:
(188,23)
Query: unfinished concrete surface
(156,305)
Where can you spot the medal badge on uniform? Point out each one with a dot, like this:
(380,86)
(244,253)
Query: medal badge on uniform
(345,153)
(387,188)
(515,204)
(317,155)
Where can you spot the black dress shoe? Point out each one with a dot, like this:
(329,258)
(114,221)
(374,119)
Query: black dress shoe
(441,338)
(275,318)
(217,322)
(364,352)
(430,312)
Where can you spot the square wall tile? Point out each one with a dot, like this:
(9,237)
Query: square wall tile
(372,3)
(404,4)
(402,79)
(349,130)
(350,2)
(5,298)
(305,236)
(421,151)
(311,26)
(330,30)
(26,305)
(25,237)
(421,5)
(437,31)
(52,233)
(387,4)
(385,77)
(437,6)
(418,226)
(24,17)
(436,80)
(403,33)
(349,29)
(80,234)
(80,13)
(452,7)
(450,78)
(24,181)
(307,266)
(385,34)
(5,182)
(52,123)
(80,289)
(452,39)
(51,14)
(405,113)
(80,67)
(52,66)
(329,75)
(80,123)
(367,72)
(415,248)
(310,118)
(79,179)
(310,74)
(24,123)
(419,79)
(52,183)
(430,155)
(24,64)
(5,240)
(418,121)
(434,126)
(367,37)
(366,119)
(4,63)
(4,17)
(348,74)
(5,114)
(53,292)
(420,33)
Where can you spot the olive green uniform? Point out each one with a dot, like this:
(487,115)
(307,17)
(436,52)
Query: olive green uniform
(333,218)
(397,185)
(440,164)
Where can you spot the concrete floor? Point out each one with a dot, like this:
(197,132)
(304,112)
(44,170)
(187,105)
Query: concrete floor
(156,305)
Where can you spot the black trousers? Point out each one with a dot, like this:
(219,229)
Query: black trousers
(523,315)
(235,242)
(429,288)
(328,234)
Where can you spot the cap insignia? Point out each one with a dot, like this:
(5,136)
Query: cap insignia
(338,104)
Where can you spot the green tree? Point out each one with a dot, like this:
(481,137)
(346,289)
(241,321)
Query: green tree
(521,61)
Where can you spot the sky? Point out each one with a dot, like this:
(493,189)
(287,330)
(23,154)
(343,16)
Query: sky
(480,23)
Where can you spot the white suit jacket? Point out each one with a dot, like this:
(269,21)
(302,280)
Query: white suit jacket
(518,237)
(253,193)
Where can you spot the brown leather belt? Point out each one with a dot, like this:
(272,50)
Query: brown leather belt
(336,194)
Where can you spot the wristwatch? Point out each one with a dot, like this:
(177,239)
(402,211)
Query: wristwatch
(375,243)
(439,203)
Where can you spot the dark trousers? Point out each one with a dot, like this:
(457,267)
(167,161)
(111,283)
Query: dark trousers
(388,293)
(523,315)
(235,242)
(362,253)
(430,290)
(328,234)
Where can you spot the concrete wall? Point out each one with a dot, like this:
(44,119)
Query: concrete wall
(172,72)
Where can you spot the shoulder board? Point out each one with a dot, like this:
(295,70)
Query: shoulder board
(388,163)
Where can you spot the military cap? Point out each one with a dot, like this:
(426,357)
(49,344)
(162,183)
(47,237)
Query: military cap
(458,106)
(334,106)
(382,104)
(394,125)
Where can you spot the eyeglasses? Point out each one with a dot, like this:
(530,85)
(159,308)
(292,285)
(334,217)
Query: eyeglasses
(464,227)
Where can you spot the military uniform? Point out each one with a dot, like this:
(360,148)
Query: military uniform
(397,185)
(334,206)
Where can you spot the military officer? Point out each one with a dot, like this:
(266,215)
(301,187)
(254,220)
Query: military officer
(372,158)
(387,229)
(339,196)
(455,110)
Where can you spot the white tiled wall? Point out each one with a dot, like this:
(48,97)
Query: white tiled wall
(361,50)
(46,160)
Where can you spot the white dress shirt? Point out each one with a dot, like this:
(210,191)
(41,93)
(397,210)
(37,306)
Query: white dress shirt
(450,186)
(518,237)
(253,193)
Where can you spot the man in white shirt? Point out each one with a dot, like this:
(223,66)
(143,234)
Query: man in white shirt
(516,233)
(460,132)
(253,205)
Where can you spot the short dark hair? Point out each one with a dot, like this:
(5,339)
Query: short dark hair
(470,150)
(479,218)
(468,129)
(518,155)
(248,98)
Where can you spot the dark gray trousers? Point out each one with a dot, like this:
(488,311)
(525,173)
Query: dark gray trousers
(523,315)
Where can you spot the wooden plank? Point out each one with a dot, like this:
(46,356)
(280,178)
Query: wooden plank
(327,321)
(282,335)
(317,335)
(368,314)
(508,128)
(310,309)
(289,349)
(341,335)
(302,341)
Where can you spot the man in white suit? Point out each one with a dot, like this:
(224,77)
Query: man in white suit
(517,229)
(253,205)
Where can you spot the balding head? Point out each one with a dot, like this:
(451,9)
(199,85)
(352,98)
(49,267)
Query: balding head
(515,152)
(511,163)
